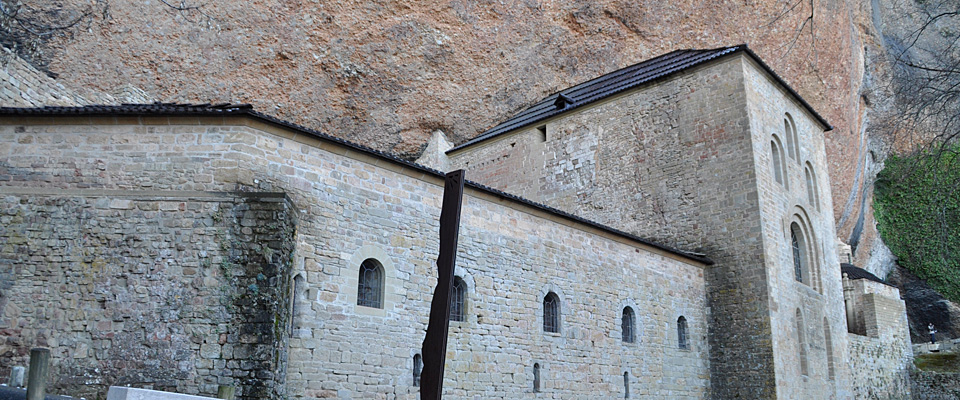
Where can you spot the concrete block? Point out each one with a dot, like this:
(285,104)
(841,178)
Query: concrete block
(125,393)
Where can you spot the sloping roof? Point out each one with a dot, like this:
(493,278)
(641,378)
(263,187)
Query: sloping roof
(855,272)
(622,80)
(225,109)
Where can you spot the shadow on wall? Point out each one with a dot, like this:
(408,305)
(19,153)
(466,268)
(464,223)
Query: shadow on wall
(925,306)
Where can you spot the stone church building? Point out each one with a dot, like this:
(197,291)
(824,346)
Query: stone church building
(662,231)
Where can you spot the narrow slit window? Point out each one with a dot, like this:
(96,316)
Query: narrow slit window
(417,369)
(626,385)
(536,377)
(801,343)
(682,333)
(542,130)
(295,300)
(828,344)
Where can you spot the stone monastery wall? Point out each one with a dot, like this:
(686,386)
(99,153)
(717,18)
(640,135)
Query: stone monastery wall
(671,160)
(881,357)
(109,215)
(722,159)
(807,315)
(162,289)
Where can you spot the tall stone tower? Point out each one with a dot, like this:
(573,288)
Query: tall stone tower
(709,151)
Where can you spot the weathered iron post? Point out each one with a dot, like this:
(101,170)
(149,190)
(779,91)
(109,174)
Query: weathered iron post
(37,379)
(435,343)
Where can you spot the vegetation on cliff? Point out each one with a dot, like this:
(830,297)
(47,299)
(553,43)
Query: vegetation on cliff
(918,215)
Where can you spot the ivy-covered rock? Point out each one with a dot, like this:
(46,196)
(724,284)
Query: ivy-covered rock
(918,213)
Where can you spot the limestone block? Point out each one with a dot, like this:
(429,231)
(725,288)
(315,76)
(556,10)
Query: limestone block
(125,393)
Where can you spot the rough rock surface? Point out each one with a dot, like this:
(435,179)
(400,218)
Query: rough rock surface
(388,74)
(926,306)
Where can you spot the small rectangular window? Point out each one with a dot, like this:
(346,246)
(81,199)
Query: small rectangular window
(543,132)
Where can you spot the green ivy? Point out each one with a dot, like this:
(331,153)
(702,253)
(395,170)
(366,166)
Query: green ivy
(917,203)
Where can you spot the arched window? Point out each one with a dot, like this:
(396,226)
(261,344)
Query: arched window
(626,325)
(682,333)
(828,344)
(458,301)
(295,294)
(551,313)
(790,131)
(417,369)
(536,377)
(626,385)
(775,157)
(779,162)
(813,192)
(370,287)
(801,343)
(798,247)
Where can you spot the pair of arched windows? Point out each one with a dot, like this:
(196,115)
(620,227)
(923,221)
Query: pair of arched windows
(628,328)
(370,289)
(779,157)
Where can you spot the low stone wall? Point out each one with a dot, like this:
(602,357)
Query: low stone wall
(929,385)
(879,368)
(951,345)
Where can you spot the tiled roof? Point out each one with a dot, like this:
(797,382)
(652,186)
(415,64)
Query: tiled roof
(135,109)
(173,109)
(855,272)
(623,80)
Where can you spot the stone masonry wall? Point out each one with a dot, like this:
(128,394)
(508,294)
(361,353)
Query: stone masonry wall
(22,85)
(818,297)
(929,385)
(164,290)
(881,361)
(878,370)
(357,206)
(668,161)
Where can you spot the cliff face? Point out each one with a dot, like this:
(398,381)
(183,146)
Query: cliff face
(388,74)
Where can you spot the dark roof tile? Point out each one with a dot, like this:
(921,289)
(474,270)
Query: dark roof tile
(855,272)
(619,81)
